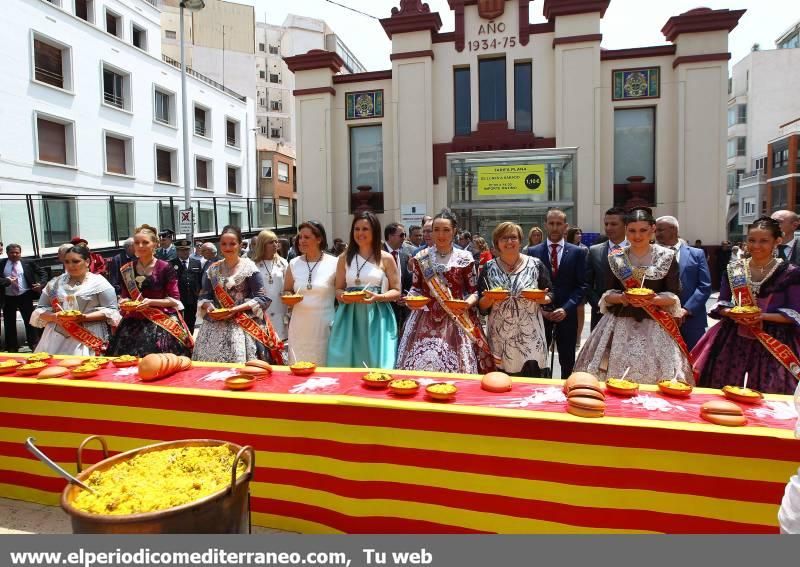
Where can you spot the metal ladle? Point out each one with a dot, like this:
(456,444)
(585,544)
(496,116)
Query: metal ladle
(46,460)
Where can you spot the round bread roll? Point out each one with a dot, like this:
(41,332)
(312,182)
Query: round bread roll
(53,372)
(580,411)
(150,366)
(259,364)
(496,382)
(583,392)
(723,412)
(581,379)
(253,371)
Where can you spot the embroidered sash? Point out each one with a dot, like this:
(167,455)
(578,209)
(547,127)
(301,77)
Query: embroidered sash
(80,333)
(623,269)
(267,337)
(153,314)
(739,278)
(441,293)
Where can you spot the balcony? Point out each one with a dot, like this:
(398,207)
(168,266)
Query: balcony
(114,100)
(752,178)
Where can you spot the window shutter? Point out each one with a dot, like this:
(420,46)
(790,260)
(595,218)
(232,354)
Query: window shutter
(52,141)
(163,166)
(48,64)
(231,180)
(115,155)
(202,174)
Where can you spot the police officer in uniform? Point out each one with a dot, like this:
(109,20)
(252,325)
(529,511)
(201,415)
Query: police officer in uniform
(190,274)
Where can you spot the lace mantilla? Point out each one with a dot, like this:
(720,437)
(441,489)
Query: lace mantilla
(620,263)
(244,270)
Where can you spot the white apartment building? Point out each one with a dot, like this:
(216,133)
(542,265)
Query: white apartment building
(762,99)
(275,83)
(92,125)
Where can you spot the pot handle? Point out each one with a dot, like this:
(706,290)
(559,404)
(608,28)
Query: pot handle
(83,444)
(251,462)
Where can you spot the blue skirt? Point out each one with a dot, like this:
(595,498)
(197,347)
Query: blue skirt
(363,333)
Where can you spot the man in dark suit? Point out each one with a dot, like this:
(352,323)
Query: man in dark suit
(695,280)
(567,265)
(599,278)
(394,236)
(789,249)
(125,256)
(21,283)
(190,274)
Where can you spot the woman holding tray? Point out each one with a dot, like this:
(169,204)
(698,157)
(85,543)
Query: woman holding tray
(232,304)
(639,332)
(312,275)
(765,343)
(150,304)
(90,296)
(515,328)
(445,335)
(364,329)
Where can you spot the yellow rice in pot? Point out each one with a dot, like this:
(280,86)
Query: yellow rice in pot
(158,480)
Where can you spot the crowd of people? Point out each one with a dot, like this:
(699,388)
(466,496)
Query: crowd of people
(353,310)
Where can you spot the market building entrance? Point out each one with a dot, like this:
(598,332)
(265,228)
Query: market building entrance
(487,188)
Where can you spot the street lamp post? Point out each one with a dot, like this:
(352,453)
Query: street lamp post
(191,5)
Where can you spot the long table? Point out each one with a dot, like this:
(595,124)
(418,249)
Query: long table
(344,458)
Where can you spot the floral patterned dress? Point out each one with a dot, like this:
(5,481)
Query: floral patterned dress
(432,340)
(139,336)
(226,340)
(627,336)
(515,328)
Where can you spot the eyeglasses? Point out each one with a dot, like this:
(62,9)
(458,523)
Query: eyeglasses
(401,235)
(510,238)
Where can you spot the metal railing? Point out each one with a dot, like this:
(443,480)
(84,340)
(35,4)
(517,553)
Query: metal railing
(232,142)
(199,76)
(113,99)
(200,129)
(41,223)
(49,77)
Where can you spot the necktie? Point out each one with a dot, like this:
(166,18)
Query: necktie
(185,265)
(782,251)
(394,255)
(15,274)
(554,259)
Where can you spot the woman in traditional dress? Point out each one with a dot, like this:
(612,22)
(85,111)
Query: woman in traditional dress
(273,268)
(515,328)
(154,323)
(232,305)
(80,290)
(364,329)
(312,275)
(639,333)
(439,337)
(753,343)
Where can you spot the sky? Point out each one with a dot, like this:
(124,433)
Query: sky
(627,23)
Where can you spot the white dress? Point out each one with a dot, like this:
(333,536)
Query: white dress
(789,514)
(277,310)
(93,295)
(311,319)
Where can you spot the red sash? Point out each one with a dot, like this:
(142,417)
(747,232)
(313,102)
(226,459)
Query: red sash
(153,314)
(664,319)
(440,292)
(79,333)
(267,337)
(739,278)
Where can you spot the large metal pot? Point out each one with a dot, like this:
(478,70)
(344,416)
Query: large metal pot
(224,512)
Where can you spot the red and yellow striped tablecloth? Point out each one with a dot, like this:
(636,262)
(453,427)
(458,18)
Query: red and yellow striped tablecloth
(359,461)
